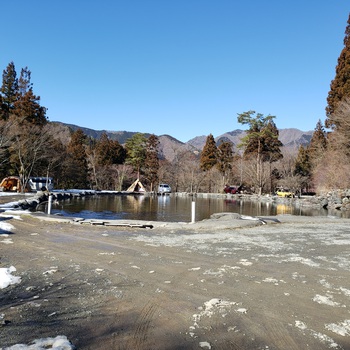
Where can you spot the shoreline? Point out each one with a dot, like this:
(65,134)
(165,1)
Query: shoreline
(336,203)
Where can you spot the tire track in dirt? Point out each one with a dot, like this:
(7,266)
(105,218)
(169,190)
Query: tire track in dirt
(140,337)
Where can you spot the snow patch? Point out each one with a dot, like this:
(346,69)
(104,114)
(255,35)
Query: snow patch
(6,277)
(7,241)
(326,300)
(302,260)
(59,343)
(5,226)
(211,307)
(342,328)
(301,325)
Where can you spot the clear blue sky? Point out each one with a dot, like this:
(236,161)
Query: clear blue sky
(184,68)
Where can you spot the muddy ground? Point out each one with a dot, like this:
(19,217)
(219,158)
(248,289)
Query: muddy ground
(222,284)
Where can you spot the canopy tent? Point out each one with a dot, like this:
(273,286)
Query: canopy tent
(12,184)
(136,187)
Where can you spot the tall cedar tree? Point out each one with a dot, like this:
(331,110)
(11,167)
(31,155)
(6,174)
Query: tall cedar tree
(152,161)
(109,151)
(25,118)
(209,154)
(225,157)
(27,106)
(273,145)
(136,151)
(76,167)
(8,90)
(340,86)
(318,143)
(302,162)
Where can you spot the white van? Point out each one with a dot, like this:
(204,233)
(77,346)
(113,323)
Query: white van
(164,188)
(40,183)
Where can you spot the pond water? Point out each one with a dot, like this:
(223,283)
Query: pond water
(170,208)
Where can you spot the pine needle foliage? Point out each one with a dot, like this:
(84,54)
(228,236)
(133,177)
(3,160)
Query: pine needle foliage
(340,85)
(209,154)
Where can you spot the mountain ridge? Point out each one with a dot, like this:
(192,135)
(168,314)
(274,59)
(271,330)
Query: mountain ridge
(169,146)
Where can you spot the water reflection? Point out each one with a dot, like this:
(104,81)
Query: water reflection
(171,208)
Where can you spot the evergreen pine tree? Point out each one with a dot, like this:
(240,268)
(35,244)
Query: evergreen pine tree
(109,151)
(225,157)
(151,166)
(27,106)
(340,86)
(136,151)
(302,162)
(8,90)
(272,144)
(209,154)
(318,143)
(75,174)
(260,144)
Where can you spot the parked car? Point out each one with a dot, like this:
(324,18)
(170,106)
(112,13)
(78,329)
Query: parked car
(164,188)
(281,192)
(232,189)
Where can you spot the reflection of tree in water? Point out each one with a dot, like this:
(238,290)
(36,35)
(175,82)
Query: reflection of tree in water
(135,203)
(172,208)
(283,209)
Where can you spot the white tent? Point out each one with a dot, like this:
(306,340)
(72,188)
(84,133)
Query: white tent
(136,187)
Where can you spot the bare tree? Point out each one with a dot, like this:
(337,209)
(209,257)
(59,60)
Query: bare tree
(27,149)
(121,173)
(334,169)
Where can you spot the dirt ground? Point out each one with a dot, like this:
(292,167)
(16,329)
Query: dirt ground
(225,283)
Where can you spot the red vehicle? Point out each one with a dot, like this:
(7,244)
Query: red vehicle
(232,189)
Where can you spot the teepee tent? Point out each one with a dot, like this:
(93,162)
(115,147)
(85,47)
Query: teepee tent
(136,187)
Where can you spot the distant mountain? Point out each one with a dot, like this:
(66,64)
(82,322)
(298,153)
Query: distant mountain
(291,138)
(294,137)
(120,136)
(169,146)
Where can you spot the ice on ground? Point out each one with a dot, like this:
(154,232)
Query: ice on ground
(345,291)
(205,344)
(59,343)
(301,325)
(6,277)
(327,300)
(245,262)
(302,260)
(342,328)
(6,227)
(325,339)
(270,280)
(317,335)
(52,270)
(210,307)
(7,241)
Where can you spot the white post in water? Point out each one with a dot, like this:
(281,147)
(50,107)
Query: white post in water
(193,212)
(49,206)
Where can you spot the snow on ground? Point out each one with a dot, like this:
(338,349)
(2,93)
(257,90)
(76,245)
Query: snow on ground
(7,278)
(59,343)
